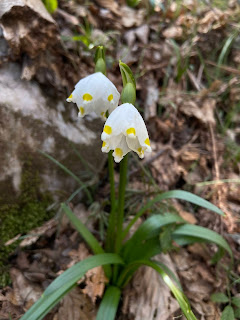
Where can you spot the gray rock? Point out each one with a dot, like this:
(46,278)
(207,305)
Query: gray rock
(31,121)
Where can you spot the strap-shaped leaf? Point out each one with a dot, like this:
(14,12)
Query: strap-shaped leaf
(83,230)
(148,230)
(86,234)
(201,233)
(109,304)
(65,282)
(151,227)
(179,295)
(145,250)
(177,194)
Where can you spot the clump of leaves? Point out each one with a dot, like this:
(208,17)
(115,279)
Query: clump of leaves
(232,305)
(120,259)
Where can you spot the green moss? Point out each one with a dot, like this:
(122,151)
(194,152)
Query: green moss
(28,212)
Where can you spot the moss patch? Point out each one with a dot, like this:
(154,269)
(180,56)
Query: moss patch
(28,212)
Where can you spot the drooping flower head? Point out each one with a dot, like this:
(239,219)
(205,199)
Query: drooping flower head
(124,131)
(95,93)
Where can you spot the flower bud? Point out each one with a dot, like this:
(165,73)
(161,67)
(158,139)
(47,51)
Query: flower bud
(128,94)
(100,66)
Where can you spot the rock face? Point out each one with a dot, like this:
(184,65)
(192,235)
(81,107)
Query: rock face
(35,76)
(31,121)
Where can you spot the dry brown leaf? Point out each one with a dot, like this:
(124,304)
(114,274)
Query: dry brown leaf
(8,309)
(49,227)
(174,32)
(205,113)
(166,170)
(189,155)
(76,306)
(25,292)
(190,4)
(111,5)
(95,283)
(186,20)
(188,216)
(151,94)
(131,17)
(78,255)
(212,19)
(142,33)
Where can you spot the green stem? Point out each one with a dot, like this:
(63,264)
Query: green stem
(121,202)
(112,217)
(120,214)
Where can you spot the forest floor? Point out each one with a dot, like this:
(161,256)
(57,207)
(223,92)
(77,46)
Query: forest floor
(185,56)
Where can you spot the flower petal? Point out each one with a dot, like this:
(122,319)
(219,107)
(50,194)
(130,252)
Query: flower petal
(95,93)
(125,130)
(120,150)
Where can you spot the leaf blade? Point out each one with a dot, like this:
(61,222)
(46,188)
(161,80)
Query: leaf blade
(65,282)
(219,297)
(179,295)
(205,234)
(228,313)
(83,230)
(147,230)
(177,194)
(109,304)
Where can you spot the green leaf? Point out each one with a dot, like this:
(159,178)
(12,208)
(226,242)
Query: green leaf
(219,297)
(147,230)
(86,234)
(236,301)
(177,194)
(186,240)
(151,227)
(224,53)
(65,282)
(228,313)
(145,250)
(179,295)
(109,304)
(165,238)
(169,272)
(69,172)
(205,234)
(83,230)
(237,313)
(51,5)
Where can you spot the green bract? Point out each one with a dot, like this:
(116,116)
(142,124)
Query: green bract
(128,94)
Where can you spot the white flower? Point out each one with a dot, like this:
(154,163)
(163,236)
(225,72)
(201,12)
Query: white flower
(95,93)
(124,131)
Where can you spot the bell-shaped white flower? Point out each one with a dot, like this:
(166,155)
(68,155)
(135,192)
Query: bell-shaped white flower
(124,131)
(95,93)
